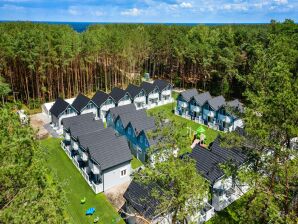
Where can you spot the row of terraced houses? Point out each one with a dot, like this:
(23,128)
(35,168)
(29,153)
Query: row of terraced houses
(145,96)
(215,112)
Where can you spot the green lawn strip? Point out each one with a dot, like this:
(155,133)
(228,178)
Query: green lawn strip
(135,163)
(185,124)
(76,187)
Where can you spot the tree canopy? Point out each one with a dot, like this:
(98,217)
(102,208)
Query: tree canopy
(29,192)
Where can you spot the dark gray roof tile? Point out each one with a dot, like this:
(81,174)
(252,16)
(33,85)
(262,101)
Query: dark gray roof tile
(80,102)
(117,94)
(59,106)
(105,148)
(188,94)
(83,118)
(133,90)
(99,98)
(202,98)
(217,102)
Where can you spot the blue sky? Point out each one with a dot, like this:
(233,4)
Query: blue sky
(159,11)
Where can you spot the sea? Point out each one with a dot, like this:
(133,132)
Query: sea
(83,26)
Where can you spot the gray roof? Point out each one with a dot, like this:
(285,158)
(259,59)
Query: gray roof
(161,84)
(236,104)
(148,87)
(117,94)
(202,98)
(188,94)
(207,163)
(80,102)
(140,197)
(217,102)
(106,149)
(89,126)
(100,97)
(59,106)
(83,118)
(133,90)
(116,111)
(138,119)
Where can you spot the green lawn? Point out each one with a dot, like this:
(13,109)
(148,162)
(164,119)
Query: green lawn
(186,124)
(135,163)
(76,188)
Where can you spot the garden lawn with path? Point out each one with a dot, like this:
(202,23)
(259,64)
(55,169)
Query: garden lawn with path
(76,188)
(186,125)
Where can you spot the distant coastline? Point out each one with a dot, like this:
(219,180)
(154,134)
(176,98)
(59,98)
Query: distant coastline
(82,26)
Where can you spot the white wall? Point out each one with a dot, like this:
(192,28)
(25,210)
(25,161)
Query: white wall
(112,176)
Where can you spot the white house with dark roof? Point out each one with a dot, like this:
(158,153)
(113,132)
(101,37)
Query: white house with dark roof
(152,94)
(165,91)
(103,103)
(120,96)
(137,95)
(84,105)
(101,157)
(60,110)
(224,190)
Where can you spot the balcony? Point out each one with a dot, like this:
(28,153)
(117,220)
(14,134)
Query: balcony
(154,96)
(166,93)
(67,136)
(206,213)
(140,99)
(75,146)
(124,102)
(95,169)
(196,109)
(84,156)
(184,104)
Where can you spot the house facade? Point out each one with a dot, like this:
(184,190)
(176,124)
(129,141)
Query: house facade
(165,91)
(103,103)
(120,96)
(137,95)
(223,190)
(214,112)
(60,110)
(102,158)
(133,124)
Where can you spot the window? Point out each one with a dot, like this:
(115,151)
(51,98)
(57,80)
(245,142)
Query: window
(129,130)
(123,173)
(141,93)
(126,97)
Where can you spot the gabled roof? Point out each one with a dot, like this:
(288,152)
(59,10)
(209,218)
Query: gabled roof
(233,155)
(217,102)
(59,106)
(99,98)
(139,196)
(116,111)
(202,98)
(105,148)
(148,87)
(80,119)
(89,126)
(188,94)
(138,120)
(80,102)
(133,90)
(161,84)
(117,94)
(236,104)
(207,163)
(131,116)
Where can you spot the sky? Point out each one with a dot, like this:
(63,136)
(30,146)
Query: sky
(150,11)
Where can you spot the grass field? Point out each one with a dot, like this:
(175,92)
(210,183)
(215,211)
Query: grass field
(76,188)
(186,124)
(135,163)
